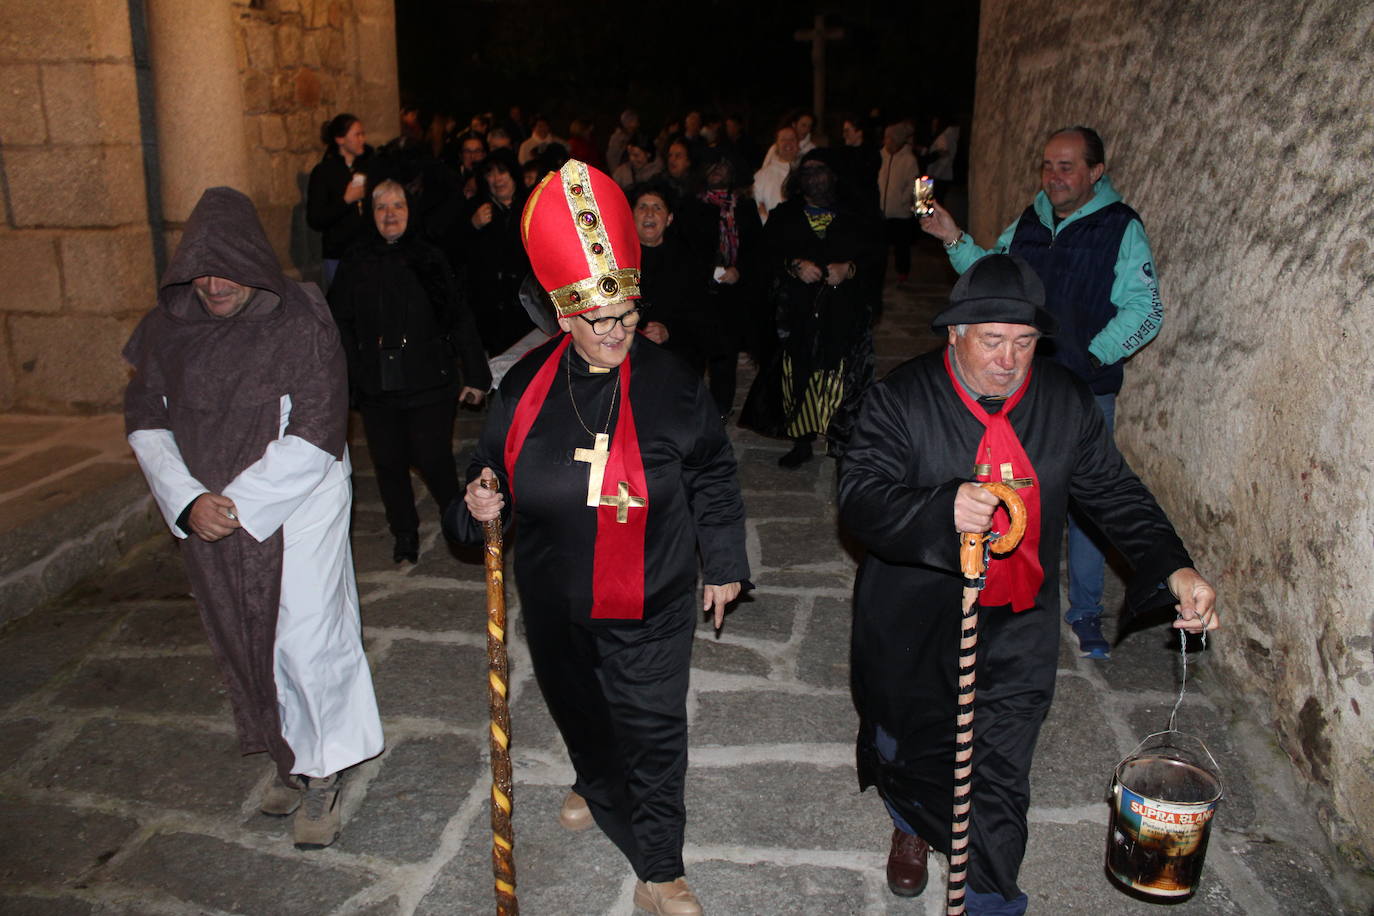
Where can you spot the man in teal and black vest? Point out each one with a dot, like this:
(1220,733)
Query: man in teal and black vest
(1092,254)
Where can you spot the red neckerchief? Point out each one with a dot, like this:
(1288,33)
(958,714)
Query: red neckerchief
(1014,579)
(618,554)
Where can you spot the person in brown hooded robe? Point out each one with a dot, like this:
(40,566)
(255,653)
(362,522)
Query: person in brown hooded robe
(237,413)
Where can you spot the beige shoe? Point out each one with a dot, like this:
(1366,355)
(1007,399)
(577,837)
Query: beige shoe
(667,898)
(317,821)
(281,798)
(575,815)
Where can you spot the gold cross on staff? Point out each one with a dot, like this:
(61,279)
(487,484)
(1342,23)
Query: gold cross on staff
(622,501)
(596,466)
(1016,483)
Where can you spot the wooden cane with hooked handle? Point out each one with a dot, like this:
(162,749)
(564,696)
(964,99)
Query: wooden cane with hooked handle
(973,565)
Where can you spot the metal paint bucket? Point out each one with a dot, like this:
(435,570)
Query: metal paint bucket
(1163,799)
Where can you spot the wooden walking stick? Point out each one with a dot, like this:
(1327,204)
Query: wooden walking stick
(498,680)
(973,562)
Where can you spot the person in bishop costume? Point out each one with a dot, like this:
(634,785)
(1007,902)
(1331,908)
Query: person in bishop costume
(981,408)
(614,472)
(237,413)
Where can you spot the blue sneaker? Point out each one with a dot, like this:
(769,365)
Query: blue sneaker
(1091,642)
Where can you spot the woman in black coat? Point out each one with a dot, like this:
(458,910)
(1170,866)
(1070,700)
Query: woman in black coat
(497,263)
(334,205)
(732,308)
(819,249)
(407,332)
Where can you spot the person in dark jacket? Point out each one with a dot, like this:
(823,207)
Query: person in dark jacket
(404,322)
(736,282)
(497,263)
(819,250)
(334,197)
(1091,251)
(672,276)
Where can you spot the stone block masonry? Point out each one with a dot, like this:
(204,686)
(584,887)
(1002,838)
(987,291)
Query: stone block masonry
(76,256)
(99,165)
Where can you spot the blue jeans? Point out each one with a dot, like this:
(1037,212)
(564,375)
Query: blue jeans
(977,904)
(331,267)
(1086,563)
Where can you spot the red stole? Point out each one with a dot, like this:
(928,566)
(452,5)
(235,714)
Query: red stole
(1016,578)
(618,553)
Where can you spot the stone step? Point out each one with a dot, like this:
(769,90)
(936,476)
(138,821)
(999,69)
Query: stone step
(71,501)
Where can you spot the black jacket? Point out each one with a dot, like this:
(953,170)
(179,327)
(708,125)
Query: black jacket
(340,224)
(497,265)
(401,303)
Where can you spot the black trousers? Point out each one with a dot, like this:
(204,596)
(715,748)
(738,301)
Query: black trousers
(899,235)
(619,697)
(1017,662)
(399,438)
(721,384)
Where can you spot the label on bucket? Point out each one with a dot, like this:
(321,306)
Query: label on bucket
(1155,846)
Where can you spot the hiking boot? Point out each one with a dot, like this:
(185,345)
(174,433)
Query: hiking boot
(282,798)
(317,822)
(1091,642)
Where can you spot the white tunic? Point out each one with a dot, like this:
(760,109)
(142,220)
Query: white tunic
(324,687)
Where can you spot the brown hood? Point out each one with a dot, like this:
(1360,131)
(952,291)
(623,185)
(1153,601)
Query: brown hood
(217,383)
(223,238)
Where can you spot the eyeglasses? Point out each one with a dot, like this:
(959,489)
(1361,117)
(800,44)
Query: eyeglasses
(602,326)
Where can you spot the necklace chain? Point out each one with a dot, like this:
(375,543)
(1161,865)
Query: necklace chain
(577,413)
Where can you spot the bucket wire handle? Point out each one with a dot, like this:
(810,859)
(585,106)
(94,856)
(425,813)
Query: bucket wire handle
(1216,767)
(1183,681)
(1173,715)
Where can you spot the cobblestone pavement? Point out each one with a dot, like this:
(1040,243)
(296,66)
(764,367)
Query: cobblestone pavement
(121,791)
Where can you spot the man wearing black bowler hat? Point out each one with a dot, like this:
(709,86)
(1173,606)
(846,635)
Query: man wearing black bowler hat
(982,408)
(1090,250)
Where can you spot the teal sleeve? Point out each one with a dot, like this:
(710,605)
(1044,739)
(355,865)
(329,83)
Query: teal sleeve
(1135,293)
(962,256)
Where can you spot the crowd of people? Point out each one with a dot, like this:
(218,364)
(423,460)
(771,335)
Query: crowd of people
(718,281)
(596,304)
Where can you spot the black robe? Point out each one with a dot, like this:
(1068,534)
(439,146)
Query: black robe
(617,690)
(912,447)
(672,289)
(688,464)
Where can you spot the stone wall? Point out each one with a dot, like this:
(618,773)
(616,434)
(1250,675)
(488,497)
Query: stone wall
(105,144)
(1243,134)
(76,256)
(301,63)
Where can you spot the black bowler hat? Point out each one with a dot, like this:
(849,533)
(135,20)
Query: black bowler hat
(999,288)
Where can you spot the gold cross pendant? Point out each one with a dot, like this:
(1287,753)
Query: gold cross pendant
(596,466)
(623,501)
(1016,483)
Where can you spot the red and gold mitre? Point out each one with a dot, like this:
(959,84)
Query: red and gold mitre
(581,239)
